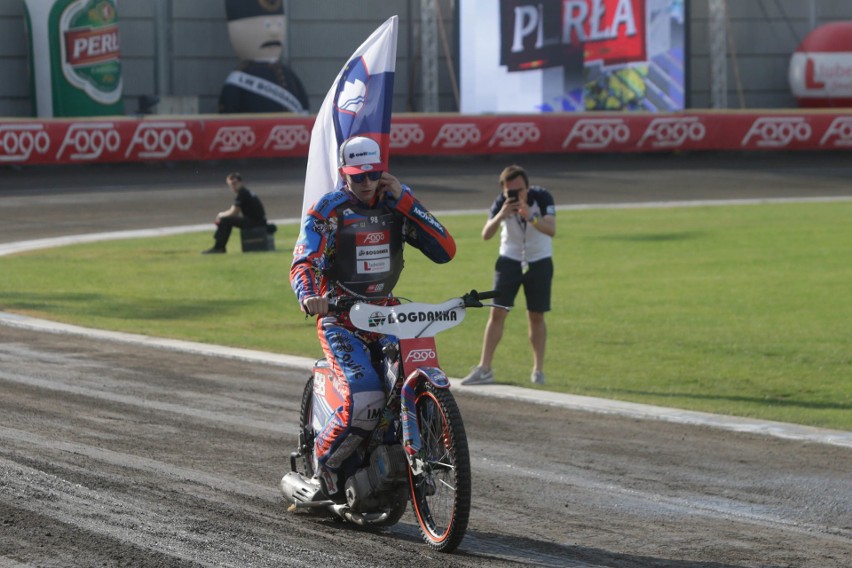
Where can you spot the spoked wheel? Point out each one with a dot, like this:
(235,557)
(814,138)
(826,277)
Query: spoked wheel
(306,430)
(441,494)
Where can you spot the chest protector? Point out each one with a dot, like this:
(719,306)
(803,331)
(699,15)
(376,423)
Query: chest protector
(368,256)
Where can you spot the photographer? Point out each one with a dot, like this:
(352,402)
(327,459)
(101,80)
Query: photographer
(527,218)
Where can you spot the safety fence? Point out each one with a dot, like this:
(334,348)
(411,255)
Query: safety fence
(217,137)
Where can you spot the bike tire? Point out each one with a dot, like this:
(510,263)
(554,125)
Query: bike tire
(305,427)
(441,494)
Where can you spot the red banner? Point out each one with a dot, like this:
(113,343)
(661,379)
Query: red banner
(31,142)
(615,31)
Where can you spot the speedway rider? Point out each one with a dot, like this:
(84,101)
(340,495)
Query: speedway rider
(351,246)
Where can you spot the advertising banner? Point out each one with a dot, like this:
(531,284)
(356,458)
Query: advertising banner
(820,70)
(526,56)
(75,63)
(96,140)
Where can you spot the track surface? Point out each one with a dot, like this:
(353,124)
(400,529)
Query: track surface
(118,455)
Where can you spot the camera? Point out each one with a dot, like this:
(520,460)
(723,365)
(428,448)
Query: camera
(513,194)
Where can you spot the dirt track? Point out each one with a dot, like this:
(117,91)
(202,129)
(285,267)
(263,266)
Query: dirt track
(112,455)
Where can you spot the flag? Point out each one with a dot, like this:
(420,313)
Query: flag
(358,103)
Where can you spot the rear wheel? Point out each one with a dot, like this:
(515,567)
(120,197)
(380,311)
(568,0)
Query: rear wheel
(441,494)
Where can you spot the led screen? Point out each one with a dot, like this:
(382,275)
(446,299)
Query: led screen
(525,56)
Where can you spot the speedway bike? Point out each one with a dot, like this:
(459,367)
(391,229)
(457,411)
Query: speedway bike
(418,452)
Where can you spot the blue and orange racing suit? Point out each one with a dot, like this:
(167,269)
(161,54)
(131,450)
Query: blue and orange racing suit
(347,249)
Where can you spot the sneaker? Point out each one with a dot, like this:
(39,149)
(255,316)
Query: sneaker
(479,376)
(537,378)
(214,250)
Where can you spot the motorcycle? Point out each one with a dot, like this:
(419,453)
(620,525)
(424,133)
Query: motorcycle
(418,451)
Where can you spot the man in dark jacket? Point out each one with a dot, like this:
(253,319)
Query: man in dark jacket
(246,211)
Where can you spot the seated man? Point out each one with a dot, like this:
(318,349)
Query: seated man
(246,211)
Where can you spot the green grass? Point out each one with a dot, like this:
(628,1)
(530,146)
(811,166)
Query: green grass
(740,310)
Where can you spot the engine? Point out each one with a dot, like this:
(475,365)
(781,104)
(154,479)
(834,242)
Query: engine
(381,483)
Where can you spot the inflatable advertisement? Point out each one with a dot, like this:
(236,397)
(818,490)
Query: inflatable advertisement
(821,68)
(261,83)
(75,63)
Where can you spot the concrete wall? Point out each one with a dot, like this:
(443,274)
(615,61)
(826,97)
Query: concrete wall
(765,33)
(323,34)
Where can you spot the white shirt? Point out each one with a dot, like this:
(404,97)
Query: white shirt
(519,239)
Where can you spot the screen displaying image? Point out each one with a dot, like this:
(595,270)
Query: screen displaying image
(524,56)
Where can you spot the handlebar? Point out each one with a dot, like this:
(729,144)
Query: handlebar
(473,299)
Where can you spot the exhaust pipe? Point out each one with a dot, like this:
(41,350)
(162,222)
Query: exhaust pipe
(301,492)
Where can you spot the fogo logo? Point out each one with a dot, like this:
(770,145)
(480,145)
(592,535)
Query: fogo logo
(673,132)
(159,139)
(89,140)
(457,136)
(287,137)
(597,133)
(18,142)
(372,238)
(233,138)
(515,134)
(404,135)
(778,132)
(839,133)
(420,355)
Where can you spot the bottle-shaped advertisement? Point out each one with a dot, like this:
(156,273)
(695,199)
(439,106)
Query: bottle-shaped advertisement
(74,57)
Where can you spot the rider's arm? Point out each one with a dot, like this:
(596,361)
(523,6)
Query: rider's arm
(308,259)
(428,234)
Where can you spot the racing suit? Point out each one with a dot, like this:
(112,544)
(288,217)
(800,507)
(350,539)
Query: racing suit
(347,249)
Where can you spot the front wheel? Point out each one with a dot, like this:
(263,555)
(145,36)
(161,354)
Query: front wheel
(441,494)
(306,431)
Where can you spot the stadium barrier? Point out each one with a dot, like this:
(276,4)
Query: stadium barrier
(218,137)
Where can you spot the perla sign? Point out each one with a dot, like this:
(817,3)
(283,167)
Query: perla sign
(75,56)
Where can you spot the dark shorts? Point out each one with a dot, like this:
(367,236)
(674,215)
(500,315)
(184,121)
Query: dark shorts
(509,277)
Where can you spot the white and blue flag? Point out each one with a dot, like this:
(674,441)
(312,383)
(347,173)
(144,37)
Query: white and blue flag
(358,103)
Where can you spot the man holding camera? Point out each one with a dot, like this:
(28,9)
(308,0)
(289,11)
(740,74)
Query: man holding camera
(526,216)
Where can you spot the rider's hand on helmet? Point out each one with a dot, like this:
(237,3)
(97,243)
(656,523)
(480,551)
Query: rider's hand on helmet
(389,185)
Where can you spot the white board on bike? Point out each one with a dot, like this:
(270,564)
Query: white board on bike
(408,321)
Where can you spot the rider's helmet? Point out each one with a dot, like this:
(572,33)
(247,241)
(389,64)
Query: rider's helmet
(360,154)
